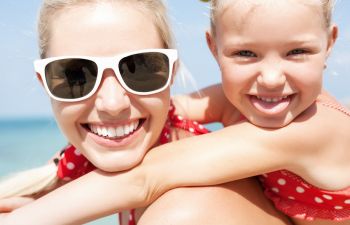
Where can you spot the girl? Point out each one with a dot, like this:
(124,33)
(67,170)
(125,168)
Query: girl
(109,89)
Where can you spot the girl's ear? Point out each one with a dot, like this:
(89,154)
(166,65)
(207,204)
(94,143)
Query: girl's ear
(211,44)
(332,37)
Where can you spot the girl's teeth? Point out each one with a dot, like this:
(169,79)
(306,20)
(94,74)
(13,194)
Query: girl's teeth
(271,99)
(113,132)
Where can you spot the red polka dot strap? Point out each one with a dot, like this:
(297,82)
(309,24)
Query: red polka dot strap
(297,198)
(72,164)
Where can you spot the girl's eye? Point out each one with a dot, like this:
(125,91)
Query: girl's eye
(246,53)
(296,52)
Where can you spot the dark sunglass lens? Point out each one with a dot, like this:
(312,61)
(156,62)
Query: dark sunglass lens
(145,72)
(71,78)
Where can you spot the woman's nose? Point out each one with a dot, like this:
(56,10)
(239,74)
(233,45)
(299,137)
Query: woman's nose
(272,76)
(111,97)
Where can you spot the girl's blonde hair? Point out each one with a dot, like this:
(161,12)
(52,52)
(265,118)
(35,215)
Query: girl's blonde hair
(216,7)
(44,178)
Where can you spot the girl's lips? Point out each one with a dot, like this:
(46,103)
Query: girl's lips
(113,137)
(271,105)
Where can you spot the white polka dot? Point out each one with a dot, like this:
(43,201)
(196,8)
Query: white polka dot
(281,181)
(195,122)
(70,166)
(86,164)
(191,130)
(200,126)
(291,197)
(347,201)
(77,152)
(318,200)
(300,189)
(338,207)
(274,189)
(328,197)
(264,175)
(179,117)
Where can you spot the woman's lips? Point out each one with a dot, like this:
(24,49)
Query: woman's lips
(114,136)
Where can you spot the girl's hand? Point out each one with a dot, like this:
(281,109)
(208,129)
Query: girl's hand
(10,204)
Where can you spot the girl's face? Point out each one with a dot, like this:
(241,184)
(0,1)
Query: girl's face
(272,57)
(108,29)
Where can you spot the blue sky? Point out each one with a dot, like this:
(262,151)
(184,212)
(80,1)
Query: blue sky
(22,96)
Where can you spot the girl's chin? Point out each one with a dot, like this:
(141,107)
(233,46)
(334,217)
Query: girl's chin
(276,122)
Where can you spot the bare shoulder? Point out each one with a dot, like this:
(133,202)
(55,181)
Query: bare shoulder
(326,144)
(230,203)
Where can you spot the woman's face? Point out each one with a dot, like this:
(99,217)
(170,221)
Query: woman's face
(108,29)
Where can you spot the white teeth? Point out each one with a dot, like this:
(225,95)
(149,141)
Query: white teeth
(269,100)
(126,129)
(120,131)
(136,124)
(104,131)
(113,132)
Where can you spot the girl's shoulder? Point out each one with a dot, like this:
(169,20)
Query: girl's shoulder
(327,100)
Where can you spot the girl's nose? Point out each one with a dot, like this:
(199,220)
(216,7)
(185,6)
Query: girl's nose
(111,97)
(272,76)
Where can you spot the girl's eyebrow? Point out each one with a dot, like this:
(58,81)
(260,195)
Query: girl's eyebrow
(237,42)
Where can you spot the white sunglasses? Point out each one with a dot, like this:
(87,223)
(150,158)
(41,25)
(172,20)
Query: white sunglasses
(75,78)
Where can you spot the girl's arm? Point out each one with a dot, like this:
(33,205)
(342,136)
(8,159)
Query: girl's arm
(232,153)
(206,106)
(87,198)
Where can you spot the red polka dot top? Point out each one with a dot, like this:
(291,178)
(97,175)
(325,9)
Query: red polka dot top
(72,164)
(295,197)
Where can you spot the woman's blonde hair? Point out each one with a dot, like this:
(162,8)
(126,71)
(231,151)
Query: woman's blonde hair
(155,9)
(216,7)
(44,178)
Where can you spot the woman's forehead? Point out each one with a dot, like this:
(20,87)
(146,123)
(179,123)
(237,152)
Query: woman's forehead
(102,30)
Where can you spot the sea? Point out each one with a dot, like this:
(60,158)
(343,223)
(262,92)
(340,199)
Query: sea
(30,142)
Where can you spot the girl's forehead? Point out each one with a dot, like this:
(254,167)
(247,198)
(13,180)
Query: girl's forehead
(251,5)
(257,20)
(242,11)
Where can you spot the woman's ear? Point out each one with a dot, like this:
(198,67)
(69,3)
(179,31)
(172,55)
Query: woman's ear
(39,79)
(332,37)
(211,43)
(175,69)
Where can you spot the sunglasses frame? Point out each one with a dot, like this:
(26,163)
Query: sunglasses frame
(104,63)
